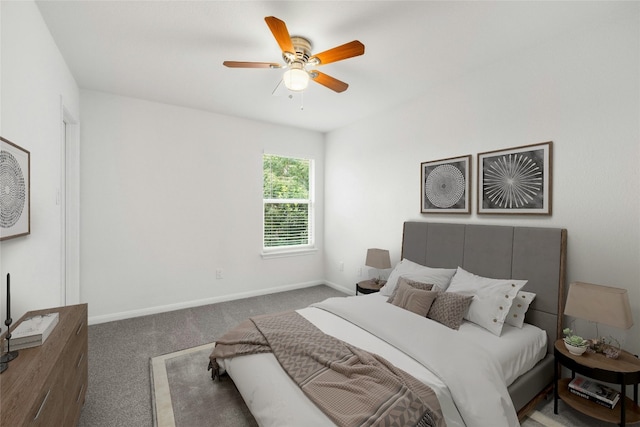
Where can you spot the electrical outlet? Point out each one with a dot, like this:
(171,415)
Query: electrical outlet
(341,266)
(360,272)
(219,273)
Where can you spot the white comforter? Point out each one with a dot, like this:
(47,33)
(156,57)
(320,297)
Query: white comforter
(468,380)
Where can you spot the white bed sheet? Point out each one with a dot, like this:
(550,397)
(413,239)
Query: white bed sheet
(282,403)
(517,350)
(276,401)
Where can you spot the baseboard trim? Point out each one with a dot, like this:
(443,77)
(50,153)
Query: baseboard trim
(94,320)
(342,289)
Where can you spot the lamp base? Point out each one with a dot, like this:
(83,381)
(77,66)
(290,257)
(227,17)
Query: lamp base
(3,367)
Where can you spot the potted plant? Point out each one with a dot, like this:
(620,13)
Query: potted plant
(574,343)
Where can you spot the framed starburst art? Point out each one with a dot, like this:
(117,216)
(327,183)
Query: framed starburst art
(15,193)
(445,185)
(516,180)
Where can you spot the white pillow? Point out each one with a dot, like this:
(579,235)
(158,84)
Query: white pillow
(436,276)
(519,309)
(492,298)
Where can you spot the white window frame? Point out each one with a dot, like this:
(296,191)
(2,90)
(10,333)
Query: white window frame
(293,250)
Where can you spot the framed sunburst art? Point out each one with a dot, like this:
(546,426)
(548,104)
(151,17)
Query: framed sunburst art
(445,185)
(516,180)
(15,206)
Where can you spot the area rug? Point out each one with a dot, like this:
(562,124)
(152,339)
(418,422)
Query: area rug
(184,395)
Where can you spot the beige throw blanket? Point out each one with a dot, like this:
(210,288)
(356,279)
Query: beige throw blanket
(351,386)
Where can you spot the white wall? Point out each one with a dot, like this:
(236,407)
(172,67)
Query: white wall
(169,195)
(581,91)
(35,83)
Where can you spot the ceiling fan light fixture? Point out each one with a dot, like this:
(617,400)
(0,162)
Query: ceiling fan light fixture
(296,53)
(296,78)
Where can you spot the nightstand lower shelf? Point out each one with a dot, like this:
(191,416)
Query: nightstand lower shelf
(595,410)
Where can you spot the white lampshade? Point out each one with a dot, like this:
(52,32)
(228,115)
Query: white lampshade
(601,304)
(296,78)
(378,258)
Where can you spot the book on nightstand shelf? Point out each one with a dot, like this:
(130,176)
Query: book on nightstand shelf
(33,331)
(594,391)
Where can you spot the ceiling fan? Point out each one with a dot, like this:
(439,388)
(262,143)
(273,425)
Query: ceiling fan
(296,52)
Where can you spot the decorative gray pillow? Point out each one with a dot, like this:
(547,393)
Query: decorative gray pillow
(411,282)
(415,300)
(449,308)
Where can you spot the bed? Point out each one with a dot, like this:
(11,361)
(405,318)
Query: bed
(482,372)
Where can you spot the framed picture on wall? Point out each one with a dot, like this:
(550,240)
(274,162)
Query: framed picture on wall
(515,180)
(445,185)
(15,203)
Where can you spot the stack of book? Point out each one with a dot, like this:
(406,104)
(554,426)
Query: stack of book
(33,331)
(595,392)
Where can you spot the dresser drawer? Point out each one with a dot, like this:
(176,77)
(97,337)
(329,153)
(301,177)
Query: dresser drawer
(75,352)
(75,395)
(48,407)
(75,371)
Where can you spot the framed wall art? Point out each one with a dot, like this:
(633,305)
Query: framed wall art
(15,194)
(445,185)
(516,180)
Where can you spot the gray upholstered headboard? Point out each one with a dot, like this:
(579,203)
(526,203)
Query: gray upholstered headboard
(501,252)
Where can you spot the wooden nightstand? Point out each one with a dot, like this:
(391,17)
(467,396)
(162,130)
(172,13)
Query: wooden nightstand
(623,371)
(369,286)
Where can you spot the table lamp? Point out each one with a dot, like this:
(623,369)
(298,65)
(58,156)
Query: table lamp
(599,304)
(378,259)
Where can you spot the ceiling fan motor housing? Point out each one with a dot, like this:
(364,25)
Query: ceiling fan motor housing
(302,49)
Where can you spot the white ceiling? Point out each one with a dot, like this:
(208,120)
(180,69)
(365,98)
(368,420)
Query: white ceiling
(172,51)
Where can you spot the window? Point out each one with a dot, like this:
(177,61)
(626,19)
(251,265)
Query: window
(287,203)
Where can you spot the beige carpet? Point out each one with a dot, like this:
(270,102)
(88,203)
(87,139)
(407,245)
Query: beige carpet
(184,395)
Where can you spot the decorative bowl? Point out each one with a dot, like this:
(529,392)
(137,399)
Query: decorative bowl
(575,350)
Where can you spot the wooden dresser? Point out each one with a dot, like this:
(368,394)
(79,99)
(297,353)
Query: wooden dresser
(46,385)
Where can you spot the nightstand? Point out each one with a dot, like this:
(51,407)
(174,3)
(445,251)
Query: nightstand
(369,286)
(623,371)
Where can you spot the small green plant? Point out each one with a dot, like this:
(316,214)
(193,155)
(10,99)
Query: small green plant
(574,340)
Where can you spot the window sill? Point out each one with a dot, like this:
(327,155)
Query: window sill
(284,253)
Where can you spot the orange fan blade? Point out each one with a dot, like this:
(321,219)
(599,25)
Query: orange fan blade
(328,81)
(345,51)
(280,32)
(239,64)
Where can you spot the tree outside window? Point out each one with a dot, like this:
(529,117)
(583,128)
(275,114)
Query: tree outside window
(287,202)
